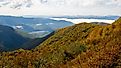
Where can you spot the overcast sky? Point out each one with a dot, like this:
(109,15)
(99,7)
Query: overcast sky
(61,7)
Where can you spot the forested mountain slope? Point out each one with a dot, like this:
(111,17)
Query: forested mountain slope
(79,46)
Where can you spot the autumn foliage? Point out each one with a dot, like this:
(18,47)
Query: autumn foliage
(79,46)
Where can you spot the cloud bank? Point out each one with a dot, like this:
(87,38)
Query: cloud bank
(60,7)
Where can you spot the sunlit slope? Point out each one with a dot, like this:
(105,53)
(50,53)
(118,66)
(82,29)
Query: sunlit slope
(79,46)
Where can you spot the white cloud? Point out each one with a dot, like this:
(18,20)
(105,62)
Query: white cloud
(61,7)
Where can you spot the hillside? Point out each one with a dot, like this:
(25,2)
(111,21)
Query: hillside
(10,39)
(79,46)
(35,42)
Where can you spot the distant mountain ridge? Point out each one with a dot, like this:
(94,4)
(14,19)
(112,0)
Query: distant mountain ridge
(33,25)
(13,20)
(108,17)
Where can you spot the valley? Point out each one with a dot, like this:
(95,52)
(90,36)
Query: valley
(81,45)
(33,26)
(60,33)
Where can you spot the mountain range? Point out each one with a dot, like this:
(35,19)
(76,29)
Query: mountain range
(83,45)
(33,27)
(31,31)
(108,17)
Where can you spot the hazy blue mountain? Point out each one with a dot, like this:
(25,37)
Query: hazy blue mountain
(33,22)
(33,25)
(90,17)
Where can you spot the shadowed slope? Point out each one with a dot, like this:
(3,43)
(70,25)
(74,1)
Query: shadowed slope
(10,39)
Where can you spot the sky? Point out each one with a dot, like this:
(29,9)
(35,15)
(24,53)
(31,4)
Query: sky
(60,7)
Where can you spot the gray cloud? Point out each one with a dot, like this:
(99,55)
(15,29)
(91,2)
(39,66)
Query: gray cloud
(62,7)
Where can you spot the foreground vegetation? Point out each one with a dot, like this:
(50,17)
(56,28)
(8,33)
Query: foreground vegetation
(79,46)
